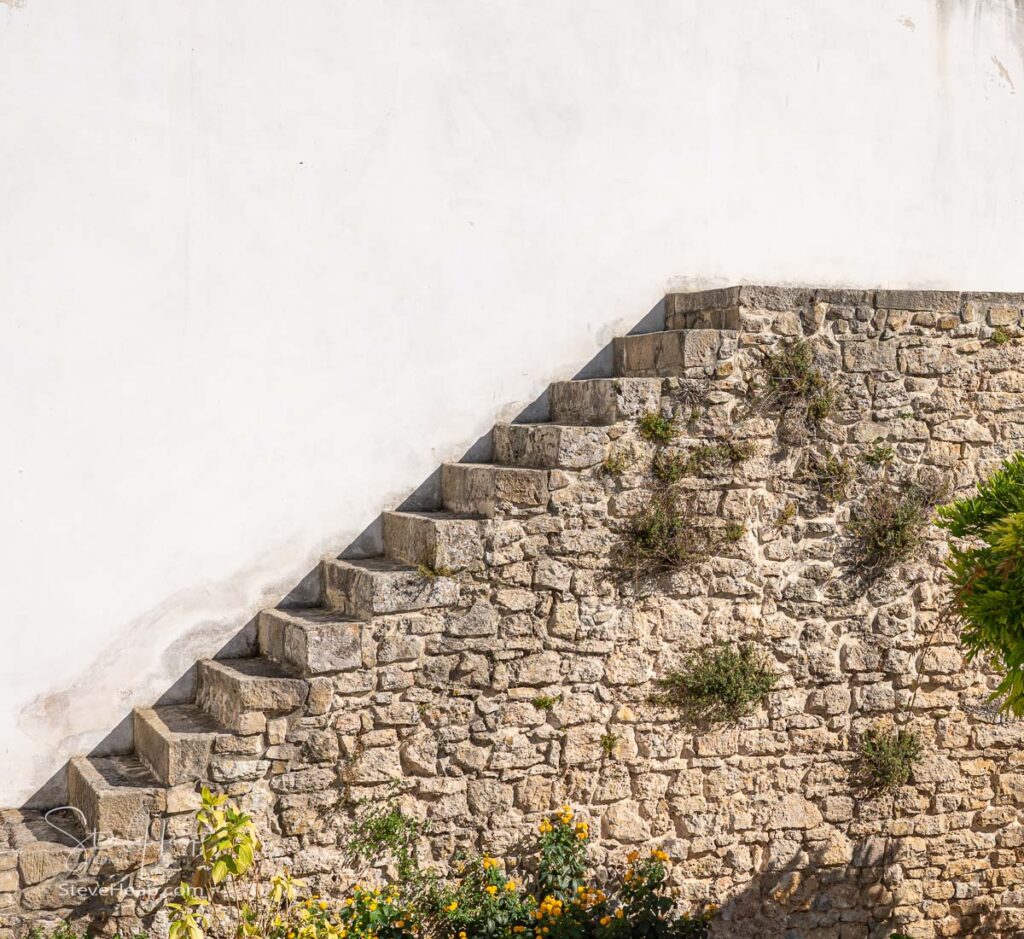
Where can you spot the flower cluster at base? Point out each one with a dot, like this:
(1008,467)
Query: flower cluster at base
(481,902)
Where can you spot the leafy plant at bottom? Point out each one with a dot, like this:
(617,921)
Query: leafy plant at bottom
(887,756)
(985,571)
(722,682)
(228,893)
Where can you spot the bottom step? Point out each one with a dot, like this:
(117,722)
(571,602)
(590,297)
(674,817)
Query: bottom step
(117,795)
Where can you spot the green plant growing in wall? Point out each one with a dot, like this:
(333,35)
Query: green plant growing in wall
(545,702)
(433,571)
(878,454)
(985,572)
(831,475)
(793,379)
(665,534)
(615,465)
(608,743)
(657,428)
(887,756)
(889,524)
(721,682)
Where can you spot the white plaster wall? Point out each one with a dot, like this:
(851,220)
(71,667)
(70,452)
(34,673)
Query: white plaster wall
(264,265)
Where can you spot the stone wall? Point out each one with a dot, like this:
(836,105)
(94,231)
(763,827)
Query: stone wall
(764,817)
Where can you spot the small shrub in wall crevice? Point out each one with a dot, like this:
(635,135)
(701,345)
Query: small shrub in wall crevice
(887,756)
(831,475)
(793,380)
(657,428)
(722,682)
(666,534)
(889,523)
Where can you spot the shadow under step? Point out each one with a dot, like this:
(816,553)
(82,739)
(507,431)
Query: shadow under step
(117,795)
(241,692)
(369,587)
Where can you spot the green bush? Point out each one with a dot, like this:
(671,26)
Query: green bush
(986,574)
(887,757)
(721,682)
(657,428)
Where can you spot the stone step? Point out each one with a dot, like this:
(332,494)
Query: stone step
(176,741)
(690,353)
(729,307)
(117,795)
(312,642)
(240,692)
(440,541)
(550,446)
(372,586)
(486,489)
(604,400)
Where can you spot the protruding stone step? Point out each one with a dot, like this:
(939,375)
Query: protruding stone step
(486,489)
(240,692)
(604,400)
(175,742)
(373,586)
(686,352)
(554,446)
(313,642)
(116,795)
(725,308)
(440,541)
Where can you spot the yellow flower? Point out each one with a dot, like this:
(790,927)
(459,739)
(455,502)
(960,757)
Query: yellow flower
(452,907)
(491,889)
(605,920)
(510,885)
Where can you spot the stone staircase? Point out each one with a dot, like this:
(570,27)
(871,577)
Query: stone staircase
(222,738)
(491,662)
